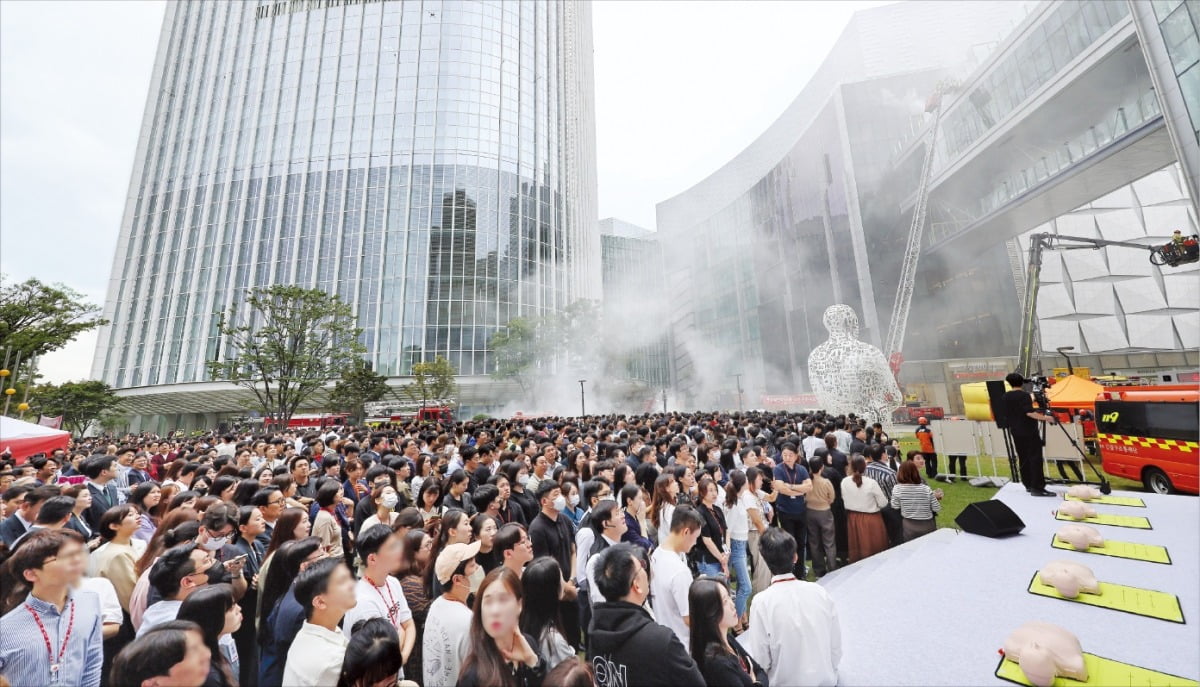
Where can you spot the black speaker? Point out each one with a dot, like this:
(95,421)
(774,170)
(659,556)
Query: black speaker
(996,390)
(990,519)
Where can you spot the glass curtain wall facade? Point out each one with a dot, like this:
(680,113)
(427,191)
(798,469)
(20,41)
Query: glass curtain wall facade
(1179,23)
(632,266)
(432,162)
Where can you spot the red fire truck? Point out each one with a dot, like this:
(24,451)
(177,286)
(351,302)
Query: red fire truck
(1151,434)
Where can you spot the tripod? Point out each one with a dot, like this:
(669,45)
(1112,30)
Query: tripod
(1039,396)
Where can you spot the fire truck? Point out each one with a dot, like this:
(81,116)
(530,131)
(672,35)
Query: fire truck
(381,412)
(1152,435)
(311,421)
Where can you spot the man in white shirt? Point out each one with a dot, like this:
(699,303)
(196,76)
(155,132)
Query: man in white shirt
(610,521)
(378,594)
(794,632)
(670,576)
(325,590)
(843,437)
(813,441)
(447,638)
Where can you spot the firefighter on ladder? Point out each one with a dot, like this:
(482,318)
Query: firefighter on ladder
(925,439)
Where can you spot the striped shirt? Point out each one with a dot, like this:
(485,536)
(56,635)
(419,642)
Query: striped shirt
(882,473)
(915,501)
(24,659)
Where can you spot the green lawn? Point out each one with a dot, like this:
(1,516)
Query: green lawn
(957,495)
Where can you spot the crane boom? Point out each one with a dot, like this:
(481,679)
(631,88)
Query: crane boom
(912,253)
(1172,253)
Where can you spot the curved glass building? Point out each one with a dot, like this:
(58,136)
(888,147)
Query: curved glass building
(430,161)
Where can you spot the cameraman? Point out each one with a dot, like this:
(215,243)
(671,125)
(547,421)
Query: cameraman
(1023,423)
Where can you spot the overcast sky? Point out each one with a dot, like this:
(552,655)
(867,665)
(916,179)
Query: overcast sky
(681,87)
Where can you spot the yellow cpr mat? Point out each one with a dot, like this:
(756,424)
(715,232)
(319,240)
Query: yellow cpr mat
(1101,671)
(1117,597)
(1114,501)
(1149,553)
(1137,522)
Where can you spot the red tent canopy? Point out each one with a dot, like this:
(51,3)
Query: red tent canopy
(23,439)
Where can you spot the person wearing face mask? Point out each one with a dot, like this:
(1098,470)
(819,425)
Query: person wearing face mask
(180,571)
(518,477)
(447,638)
(625,645)
(500,654)
(608,526)
(573,510)
(385,499)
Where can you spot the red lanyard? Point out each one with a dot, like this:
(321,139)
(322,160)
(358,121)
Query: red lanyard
(789,579)
(392,609)
(62,649)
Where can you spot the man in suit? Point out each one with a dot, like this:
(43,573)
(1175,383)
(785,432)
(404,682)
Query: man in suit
(100,470)
(17,524)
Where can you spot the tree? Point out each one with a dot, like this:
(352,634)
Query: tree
(518,350)
(358,386)
(285,343)
(80,403)
(432,381)
(37,318)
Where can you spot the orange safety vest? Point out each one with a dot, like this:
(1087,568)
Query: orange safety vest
(925,436)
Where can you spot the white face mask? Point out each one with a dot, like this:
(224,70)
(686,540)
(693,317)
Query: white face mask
(560,503)
(213,544)
(606,497)
(574,499)
(523,480)
(390,501)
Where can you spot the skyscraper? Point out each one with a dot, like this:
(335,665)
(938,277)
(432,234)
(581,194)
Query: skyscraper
(430,161)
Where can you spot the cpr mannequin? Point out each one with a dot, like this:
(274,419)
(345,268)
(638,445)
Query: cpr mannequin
(1045,651)
(1083,492)
(1069,578)
(1080,537)
(1077,510)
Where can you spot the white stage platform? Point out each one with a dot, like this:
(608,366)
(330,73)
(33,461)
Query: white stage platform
(936,610)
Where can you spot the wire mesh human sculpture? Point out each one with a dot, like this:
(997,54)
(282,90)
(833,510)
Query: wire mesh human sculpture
(849,375)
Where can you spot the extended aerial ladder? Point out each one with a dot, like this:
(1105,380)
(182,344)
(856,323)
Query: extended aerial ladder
(1173,253)
(894,344)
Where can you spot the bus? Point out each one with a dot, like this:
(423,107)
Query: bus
(1151,435)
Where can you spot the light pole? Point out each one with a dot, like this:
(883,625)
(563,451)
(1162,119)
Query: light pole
(582,399)
(664,401)
(1062,351)
(739,390)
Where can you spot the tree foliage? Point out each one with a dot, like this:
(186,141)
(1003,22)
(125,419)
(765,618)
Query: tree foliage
(80,403)
(285,343)
(518,349)
(37,318)
(529,348)
(432,381)
(358,386)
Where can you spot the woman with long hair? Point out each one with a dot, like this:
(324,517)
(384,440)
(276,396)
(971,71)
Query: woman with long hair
(917,503)
(574,512)
(372,655)
(634,504)
(542,583)
(166,495)
(421,476)
(385,498)
(712,615)
(737,504)
(713,545)
(325,525)
(483,530)
(146,497)
(662,504)
(427,500)
(453,528)
(223,488)
(213,608)
(501,655)
(864,499)
(759,514)
(282,616)
(83,501)
(415,560)
(243,494)
(263,476)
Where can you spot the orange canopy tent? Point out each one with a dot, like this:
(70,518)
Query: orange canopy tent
(1074,393)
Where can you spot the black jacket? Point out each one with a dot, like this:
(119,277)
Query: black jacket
(626,647)
(524,675)
(723,670)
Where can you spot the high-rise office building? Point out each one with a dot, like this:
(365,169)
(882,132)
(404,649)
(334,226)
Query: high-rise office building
(635,302)
(432,162)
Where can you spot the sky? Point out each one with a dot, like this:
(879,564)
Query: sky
(681,88)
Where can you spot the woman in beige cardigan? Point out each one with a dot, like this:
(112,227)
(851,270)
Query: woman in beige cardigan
(325,527)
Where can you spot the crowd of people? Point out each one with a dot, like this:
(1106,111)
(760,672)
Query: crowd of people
(608,550)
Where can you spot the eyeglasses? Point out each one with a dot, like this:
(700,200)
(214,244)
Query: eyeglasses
(275,502)
(68,558)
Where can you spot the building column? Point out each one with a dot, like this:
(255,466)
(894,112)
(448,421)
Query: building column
(1170,96)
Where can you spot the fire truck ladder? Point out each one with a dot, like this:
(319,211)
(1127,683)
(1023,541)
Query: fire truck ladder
(912,252)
